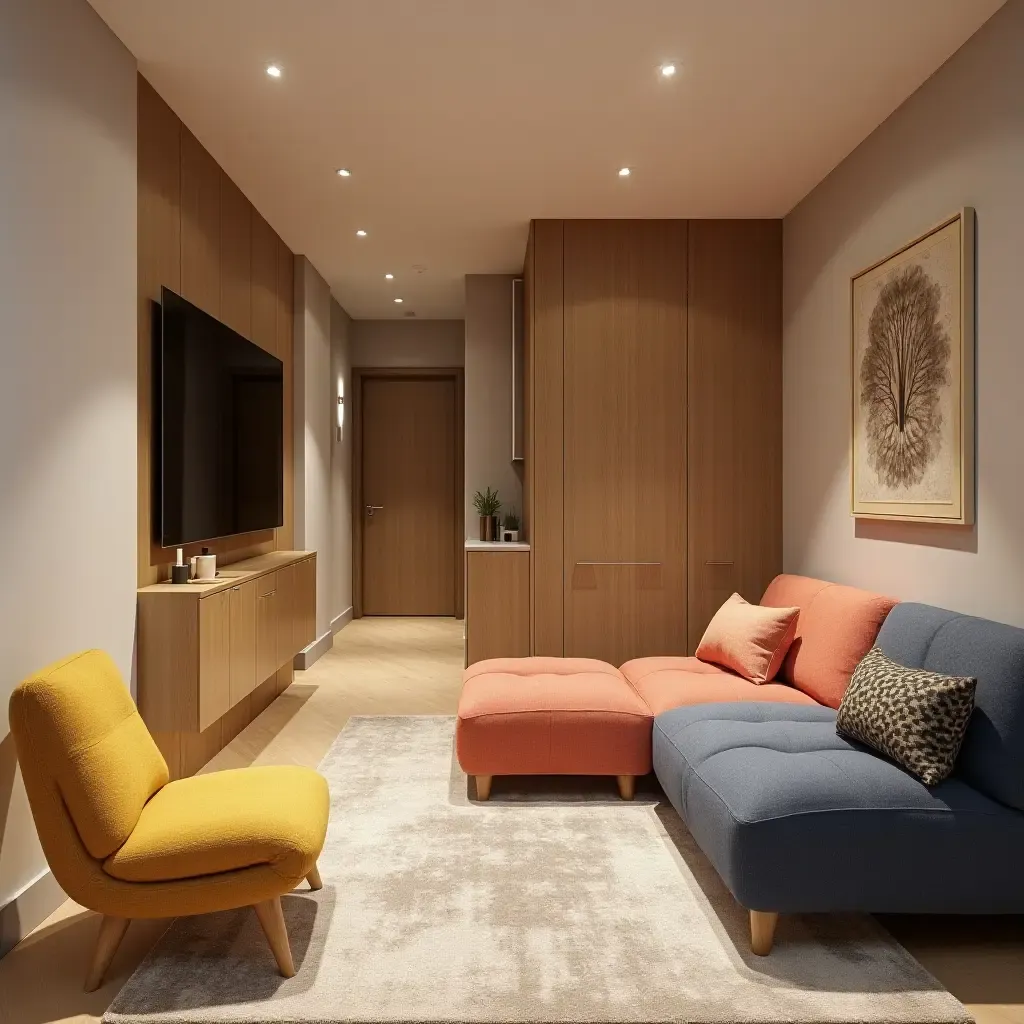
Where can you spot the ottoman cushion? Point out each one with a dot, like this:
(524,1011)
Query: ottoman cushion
(797,819)
(551,716)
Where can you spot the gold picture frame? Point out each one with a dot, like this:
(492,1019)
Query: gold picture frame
(912,380)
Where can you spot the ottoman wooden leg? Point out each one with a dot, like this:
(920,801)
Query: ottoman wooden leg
(483,786)
(627,786)
(762,931)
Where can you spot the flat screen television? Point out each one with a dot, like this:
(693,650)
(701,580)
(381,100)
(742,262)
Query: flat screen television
(219,416)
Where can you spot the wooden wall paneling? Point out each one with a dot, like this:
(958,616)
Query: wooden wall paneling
(735,413)
(546,438)
(285,538)
(527,465)
(265,245)
(159,263)
(200,225)
(625,438)
(235,257)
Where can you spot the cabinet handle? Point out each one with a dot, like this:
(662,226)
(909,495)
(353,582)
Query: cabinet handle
(618,563)
(718,563)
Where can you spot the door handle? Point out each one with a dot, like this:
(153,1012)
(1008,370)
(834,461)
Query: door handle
(370,509)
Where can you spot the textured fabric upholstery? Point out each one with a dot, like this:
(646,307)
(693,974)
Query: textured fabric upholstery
(666,683)
(551,716)
(89,764)
(992,755)
(78,719)
(749,639)
(836,628)
(796,819)
(227,820)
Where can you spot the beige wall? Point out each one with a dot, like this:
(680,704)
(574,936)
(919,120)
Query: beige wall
(314,419)
(404,343)
(489,393)
(68,408)
(341,470)
(958,141)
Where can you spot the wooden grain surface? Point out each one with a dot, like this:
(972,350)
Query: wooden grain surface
(497,605)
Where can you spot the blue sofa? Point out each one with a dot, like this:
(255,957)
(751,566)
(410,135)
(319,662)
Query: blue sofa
(797,819)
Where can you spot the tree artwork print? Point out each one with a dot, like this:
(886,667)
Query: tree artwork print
(910,408)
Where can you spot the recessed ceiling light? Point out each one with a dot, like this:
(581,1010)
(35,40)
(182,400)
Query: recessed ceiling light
(274,70)
(399,300)
(624,172)
(390,277)
(668,69)
(361,233)
(344,172)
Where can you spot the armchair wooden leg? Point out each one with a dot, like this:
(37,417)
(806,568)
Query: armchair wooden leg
(271,919)
(627,786)
(483,786)
(112,931)
(314,878)
(762,931)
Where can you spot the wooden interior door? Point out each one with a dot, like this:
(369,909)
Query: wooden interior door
(409,514)
(625,439)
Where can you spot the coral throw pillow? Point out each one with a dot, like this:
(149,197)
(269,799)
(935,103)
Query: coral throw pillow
(749,639)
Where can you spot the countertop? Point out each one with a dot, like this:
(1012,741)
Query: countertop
(495,545)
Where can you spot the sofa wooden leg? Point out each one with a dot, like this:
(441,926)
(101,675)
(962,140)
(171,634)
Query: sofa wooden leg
(483,786)
(271,919)
(315,882)
(762,931)
(627,786)
(112,931)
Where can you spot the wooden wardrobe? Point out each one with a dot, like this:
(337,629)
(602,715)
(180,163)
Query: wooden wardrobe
(654,429)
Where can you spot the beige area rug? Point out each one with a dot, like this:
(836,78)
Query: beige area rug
(553,902)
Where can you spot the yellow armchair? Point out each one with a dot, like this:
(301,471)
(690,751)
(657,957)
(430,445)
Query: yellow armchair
(125,842)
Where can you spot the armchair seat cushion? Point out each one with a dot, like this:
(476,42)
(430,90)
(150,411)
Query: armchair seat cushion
(226,821)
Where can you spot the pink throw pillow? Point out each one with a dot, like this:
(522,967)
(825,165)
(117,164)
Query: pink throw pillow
(749,639)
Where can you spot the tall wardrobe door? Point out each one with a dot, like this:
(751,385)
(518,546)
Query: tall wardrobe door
(735,412)
(625,438)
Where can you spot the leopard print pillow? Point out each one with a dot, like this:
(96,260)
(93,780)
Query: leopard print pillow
(915,717)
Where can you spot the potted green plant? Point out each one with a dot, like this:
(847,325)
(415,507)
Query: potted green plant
(511,531)
(487,505)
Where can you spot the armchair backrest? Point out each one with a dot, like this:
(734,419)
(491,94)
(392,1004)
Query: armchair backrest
(87,759)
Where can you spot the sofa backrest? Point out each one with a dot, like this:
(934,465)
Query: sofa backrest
(992,757)
(837,626)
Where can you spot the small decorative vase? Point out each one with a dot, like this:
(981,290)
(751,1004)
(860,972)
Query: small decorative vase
(511,536)
(487,528)
(495,528)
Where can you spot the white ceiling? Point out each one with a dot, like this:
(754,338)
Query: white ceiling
(463,119)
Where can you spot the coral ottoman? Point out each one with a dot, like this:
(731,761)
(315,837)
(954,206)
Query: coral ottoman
(551,716)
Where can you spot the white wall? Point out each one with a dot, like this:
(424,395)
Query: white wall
(341,470)
(68,323)
(407,343)
(314,419)
(958,141)
(489,393)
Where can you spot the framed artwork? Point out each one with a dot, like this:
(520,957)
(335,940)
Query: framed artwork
(912,345)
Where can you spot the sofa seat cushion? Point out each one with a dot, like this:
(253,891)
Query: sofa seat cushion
(797,819)
(551,716)
(666,683)
(225,821)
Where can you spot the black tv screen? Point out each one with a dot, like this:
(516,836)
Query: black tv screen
(220,429)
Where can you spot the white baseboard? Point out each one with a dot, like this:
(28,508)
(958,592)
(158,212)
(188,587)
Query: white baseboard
(29,909)
(339,622)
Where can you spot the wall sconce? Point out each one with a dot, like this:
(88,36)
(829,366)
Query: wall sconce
(341,405)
